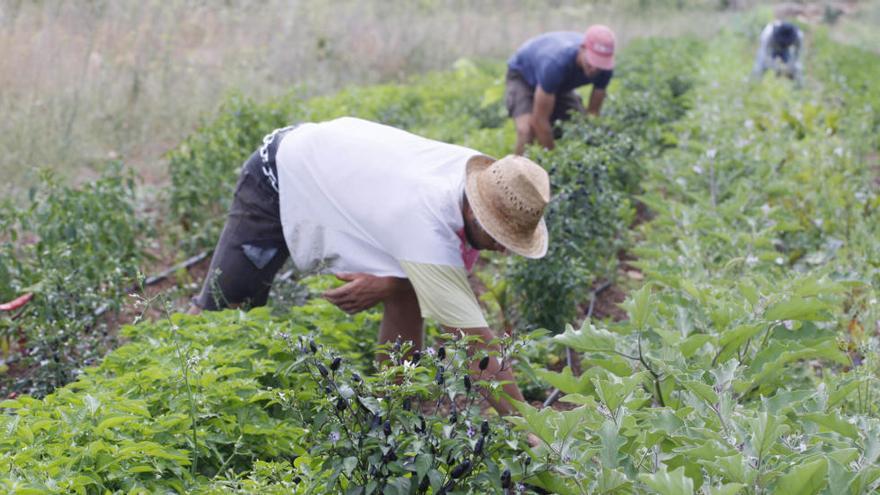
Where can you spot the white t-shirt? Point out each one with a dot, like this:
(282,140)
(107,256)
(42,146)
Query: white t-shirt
(356,196)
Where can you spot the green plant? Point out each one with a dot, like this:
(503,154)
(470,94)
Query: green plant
(78,250)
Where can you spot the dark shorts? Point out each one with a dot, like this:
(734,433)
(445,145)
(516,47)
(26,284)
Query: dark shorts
(519,96)
(251,248)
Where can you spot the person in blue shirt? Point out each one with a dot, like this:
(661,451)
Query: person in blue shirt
(780,49)
(543,74)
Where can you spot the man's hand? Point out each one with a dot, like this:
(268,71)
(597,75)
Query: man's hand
(363,291)
(597,96)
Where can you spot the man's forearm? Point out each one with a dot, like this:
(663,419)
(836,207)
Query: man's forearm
(543,133)
(395,285)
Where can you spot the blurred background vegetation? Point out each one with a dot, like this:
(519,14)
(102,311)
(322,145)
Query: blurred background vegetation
(87,82)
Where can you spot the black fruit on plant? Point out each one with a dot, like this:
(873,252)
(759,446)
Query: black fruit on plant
(335,364)
(484,363)
(439,376)
(323,370)
(441,353)
(417,356)
(341,404)
(484,428)
(312,346)
(386,428)
(505,479)
(478,448)
(461,469)
(467,383)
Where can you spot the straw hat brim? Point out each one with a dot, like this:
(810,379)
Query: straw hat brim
(532,246)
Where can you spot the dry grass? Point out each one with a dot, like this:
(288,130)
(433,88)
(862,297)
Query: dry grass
(81,82)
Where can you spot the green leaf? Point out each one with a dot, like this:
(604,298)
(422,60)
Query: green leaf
(588,338)
(833,422)
(731,340)
(728,489)
(703,391)
(639,307)
(113,422)
(766,429)
(693,343)
(797,308)
(612,480)
(611,443)
(804,479)
(669,483)
(565,381)
(839,478)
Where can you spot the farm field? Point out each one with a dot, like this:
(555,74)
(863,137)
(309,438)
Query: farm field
(734,220)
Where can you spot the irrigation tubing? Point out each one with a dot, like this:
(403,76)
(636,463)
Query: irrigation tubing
(155,279)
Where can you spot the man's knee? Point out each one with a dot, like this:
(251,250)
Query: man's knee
(524,131)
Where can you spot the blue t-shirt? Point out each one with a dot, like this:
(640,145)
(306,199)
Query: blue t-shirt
(549,61)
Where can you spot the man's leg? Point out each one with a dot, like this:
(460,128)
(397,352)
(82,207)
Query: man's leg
(251,248)
(402,318)
(524,133)
(518,97)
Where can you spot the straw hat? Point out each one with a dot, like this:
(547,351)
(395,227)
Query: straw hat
(508,197)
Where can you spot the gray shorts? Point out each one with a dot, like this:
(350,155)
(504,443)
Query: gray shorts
(519,96)
(251,248)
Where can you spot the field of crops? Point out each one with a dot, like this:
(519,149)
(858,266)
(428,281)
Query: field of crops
(740,219)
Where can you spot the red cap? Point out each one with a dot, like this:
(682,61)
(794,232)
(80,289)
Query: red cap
(599,42)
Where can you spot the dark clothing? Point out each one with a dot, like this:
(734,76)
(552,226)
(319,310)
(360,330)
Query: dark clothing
(251,248)
(549,61)
(519,97)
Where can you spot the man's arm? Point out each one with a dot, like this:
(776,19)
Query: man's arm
(363,291)
(597,96)
(542,109)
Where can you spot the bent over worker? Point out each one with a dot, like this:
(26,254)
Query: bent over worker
(397,216)
(543,74)
(780,49)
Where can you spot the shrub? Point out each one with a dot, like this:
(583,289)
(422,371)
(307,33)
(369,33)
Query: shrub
(79,251)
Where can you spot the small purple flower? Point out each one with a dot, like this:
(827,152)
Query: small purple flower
(430,351)
(471,431)
(334,436)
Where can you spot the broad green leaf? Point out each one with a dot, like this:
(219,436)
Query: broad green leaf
(730,340)
(669,483)
(639,307)
(834,423)
(839,478)
(565,381)
(728,489)
(693,343)
(588,339)
(703,391)
(611,443)
(797,308)
(766,428)
(612,480)
(840,393)
(557,484)
(804,479)
(113,422)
